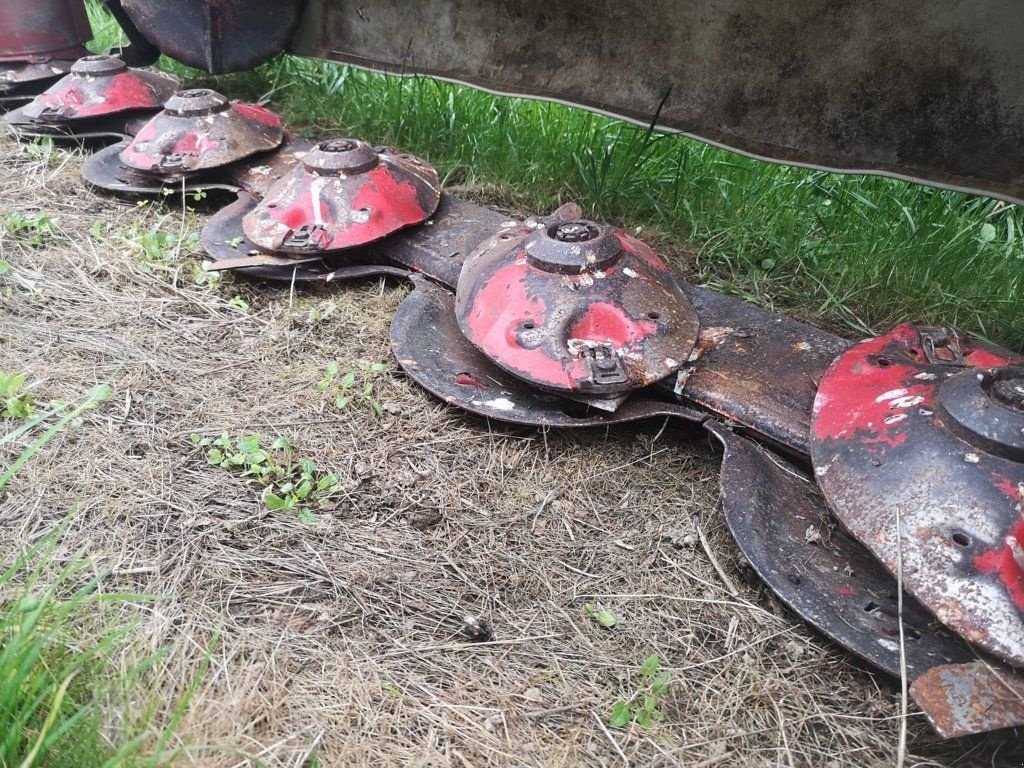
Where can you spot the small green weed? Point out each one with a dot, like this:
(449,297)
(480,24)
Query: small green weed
(16,404)
(32,230)
(322,312)
(644,707)
(603,617)
(353,386)
(288,483)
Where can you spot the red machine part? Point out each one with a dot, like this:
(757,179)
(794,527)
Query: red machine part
(98,86)
(344,194)
(575,307)
(917,441)
(200,129)
(40,30)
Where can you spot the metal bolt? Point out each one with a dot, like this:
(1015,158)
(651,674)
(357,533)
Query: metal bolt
(1010,391)
(575,232)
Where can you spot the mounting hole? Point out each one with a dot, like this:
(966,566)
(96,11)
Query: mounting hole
(654,315)
(871,606)
(529,325)
(915,351)
(794,579)
(961,539)
(883,362)
(911,633)
(271,205)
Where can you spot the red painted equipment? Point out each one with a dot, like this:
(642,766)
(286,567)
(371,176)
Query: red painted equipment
(918,446)
(200,129)
(575,307)
(41,30)
(344,194)
(99,86)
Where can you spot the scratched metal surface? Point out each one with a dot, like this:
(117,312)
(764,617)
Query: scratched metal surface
(430,347)
(931,91)
(98,86)
(199,129)
(574,307)
(343,194)
(914,488)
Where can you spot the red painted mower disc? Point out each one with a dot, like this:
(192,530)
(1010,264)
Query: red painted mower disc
(200,129)
(926,426)
(344,194)
(98,86)
(575,307)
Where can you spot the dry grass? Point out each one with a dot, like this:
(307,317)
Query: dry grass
(342,639)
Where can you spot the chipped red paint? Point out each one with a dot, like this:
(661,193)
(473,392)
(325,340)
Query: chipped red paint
(1000,562)
(575,307)
(344,194)
(257,113)
(502,309)
(79,96)
(468,380)
(907,428)
(604,322)
(869,396)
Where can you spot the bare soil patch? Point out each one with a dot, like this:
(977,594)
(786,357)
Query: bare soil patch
(342,639)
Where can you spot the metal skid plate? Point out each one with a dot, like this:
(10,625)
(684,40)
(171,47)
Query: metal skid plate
(432,350)
(344,194)
(575,308)
(200,129)
(782,526)
(214,35)
(918,449)
(98,86)
(41,30)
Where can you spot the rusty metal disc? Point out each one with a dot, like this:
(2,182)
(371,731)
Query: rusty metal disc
(200,129)
(783,527)
(575,307)
(923,426)
(98,86)
(432,350)
(344,194)
(104,169)
(119,127)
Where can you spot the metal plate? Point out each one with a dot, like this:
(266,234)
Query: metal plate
(258,173)
(964,699)
(344,194)
(39,30)
(98,86)
(431,349)
(215,35)
(575,308)
(909,88)
(104,169)
(883,447)
(755,367)
(785,531)
(200,129)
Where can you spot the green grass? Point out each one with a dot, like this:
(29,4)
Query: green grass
(857,252)
(70,696)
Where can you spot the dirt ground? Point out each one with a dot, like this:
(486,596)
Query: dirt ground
(342,639)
